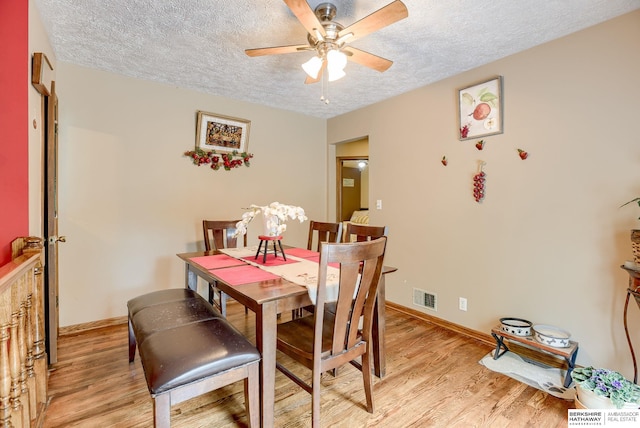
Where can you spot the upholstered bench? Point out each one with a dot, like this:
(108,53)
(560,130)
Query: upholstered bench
(187,349)
(164,309)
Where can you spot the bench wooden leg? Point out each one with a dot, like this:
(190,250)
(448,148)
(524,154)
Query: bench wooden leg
(162,411)
(252,396)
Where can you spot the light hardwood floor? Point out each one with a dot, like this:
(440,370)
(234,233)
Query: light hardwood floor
(433,380)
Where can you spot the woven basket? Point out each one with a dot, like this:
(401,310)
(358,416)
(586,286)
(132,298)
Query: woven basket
(635,245)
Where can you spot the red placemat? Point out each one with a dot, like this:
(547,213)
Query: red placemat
(302,252)
(216,262)
(272,260)
(243,275)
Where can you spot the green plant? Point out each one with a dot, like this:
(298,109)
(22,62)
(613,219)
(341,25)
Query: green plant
(607,383)
(637,200)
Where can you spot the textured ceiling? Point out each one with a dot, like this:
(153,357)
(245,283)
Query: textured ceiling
(199,44)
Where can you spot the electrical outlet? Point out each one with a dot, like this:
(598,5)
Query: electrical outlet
(462,304)
(379,204)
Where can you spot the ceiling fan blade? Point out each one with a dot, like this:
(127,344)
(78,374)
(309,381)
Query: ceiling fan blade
(393,12)
(367,59)
(276,50)
(306,16)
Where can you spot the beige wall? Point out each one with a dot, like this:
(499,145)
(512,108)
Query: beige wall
(130,200)
(547,242)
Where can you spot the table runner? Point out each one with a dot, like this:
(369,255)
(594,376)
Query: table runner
(272,260)
(300,270)
(244,274)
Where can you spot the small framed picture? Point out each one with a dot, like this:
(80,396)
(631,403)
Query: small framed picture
(222,133)
(480,109)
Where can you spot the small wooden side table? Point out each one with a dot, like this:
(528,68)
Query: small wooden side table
(569,353)
(632,290)
(264,240)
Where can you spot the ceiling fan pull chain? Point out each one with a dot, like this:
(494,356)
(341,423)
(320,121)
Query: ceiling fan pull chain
(325,89)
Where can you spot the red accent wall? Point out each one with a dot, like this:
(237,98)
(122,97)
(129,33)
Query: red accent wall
(14,117)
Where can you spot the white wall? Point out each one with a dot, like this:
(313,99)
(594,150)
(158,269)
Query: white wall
(130,200)
(547,242)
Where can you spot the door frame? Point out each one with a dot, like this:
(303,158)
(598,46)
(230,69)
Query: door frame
(41,79)
(50,146)
(339,164)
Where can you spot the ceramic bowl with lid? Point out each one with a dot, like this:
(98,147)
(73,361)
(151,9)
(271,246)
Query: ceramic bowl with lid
(551,335)
(515,326)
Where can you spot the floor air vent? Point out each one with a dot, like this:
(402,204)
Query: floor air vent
(424,299)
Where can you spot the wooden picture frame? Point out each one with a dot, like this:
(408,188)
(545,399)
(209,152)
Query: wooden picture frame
(480,109)
(222,133)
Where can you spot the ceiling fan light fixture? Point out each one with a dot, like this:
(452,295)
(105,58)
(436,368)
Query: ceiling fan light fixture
(336,74)
(312,67)
(336,62)
(336,59)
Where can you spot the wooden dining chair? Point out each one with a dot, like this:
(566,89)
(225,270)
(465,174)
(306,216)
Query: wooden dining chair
(325,341)
(325,232)
(219,234)
(364,232)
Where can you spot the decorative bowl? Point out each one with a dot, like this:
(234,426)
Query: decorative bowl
(551,335)
(516,326)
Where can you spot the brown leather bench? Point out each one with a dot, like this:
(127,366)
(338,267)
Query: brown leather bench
(187,349)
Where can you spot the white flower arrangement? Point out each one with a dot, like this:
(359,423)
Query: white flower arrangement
(275,214)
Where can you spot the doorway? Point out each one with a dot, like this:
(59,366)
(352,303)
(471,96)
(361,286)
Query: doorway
(352,186)
(352,177)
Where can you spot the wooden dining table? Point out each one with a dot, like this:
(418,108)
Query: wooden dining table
(267,298)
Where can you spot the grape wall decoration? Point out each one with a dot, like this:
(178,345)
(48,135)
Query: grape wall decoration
(478,183)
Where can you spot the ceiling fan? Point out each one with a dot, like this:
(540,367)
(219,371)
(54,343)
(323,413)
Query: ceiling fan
(329,39)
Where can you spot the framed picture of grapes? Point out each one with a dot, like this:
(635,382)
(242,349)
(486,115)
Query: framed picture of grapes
(480,109)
